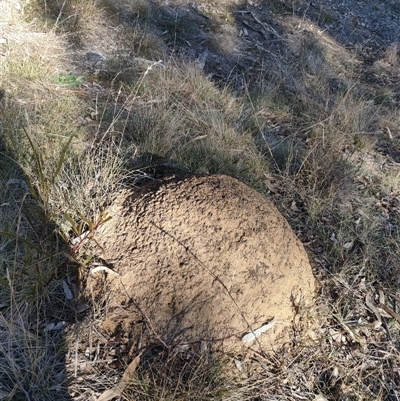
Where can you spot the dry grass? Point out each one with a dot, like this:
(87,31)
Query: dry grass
(181,375)
(310,133)
(194,124)
(32,365)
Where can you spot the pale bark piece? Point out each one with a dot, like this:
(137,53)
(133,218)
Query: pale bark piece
(117,390)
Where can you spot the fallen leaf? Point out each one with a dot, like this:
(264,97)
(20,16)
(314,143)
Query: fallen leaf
(67,292)
(294,207)
(389,312)
(54,326)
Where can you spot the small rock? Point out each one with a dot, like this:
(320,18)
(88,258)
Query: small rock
(95,57)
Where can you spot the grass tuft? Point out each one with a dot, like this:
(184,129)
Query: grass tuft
(182,375)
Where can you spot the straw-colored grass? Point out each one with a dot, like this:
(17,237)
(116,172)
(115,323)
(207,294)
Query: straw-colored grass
(308,132)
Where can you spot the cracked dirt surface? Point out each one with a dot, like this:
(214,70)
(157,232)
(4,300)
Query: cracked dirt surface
(204,258)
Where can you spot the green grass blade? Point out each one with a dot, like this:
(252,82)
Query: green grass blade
(38,159)
(62,158)
(23,240)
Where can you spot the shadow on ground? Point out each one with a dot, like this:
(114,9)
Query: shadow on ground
(35,307)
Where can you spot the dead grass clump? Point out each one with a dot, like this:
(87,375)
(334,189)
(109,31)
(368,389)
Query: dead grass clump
(88,182)
(178,375)
(183,24)
(144,43)
(31,361)
(195,124)
(28,60)
(129,11)
(32,365)
(320,156)
(316,128)
(72,18)
(70,179)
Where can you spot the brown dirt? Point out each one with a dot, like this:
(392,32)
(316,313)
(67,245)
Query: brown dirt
(204,258)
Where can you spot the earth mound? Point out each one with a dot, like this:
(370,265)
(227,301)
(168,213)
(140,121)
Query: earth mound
(205,259)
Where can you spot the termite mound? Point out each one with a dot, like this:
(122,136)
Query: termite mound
(204,259)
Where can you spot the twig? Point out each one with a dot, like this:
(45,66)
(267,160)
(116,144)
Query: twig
(266,27)
(260,31)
